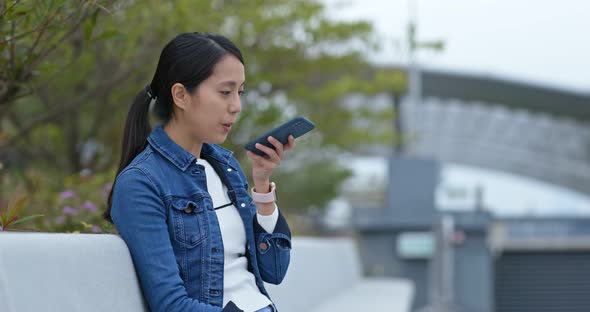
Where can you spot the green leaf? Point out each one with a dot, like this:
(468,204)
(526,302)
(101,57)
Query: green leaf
(106,35)
(27,218)
(89,25)
(18,206)
(10,221)
(20,13)
(3,218)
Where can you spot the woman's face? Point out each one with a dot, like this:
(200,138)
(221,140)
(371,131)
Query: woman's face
(212,108)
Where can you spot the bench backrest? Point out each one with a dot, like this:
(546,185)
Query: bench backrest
(94,272)
(320,268)
(67,272)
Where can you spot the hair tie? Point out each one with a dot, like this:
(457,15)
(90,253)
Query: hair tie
(150,93)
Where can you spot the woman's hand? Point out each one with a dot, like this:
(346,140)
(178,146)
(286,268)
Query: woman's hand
(263,166)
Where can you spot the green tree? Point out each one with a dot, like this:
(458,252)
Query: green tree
(298,62)
(31,31)
(33,34)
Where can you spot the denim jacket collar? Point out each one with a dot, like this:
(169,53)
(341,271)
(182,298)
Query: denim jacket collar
(180,157)
(217,153)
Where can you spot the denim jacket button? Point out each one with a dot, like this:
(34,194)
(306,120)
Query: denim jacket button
(188,210)
(243,205)
(263,246)
(228,169)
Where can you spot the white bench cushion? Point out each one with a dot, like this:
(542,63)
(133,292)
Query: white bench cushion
(67,272)
(373,294)
(86,272)
(325,275)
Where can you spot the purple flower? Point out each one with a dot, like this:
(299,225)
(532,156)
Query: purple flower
(90,206)
(67,194)
(107,186)
(70,211)
(106,189)
(60,220)
(1,229)
(96,229)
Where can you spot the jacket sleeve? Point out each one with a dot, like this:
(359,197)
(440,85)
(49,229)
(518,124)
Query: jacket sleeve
(139,215)
(273,250)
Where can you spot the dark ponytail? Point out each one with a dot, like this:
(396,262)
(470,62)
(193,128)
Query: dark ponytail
(188,59)
(137,130)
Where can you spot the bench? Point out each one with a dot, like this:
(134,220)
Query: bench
(94,272)
(67,272)
(325,275)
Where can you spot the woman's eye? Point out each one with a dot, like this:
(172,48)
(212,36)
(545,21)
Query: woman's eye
(225,92)
(241,92)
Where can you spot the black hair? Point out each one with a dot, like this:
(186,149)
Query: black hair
(188,59)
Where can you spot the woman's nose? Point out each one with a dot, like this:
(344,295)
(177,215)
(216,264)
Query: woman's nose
(236,105)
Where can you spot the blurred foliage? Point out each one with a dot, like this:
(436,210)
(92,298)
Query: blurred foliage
(10,216)
(31,30)
(69,204)
(63,110)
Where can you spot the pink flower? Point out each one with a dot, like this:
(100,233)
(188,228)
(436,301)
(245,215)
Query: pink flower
(60,220)
(96,229)
(90,206)
(106,189)
(67,194)
(70,211)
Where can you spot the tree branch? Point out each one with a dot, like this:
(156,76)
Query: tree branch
(19,36)
(74,28)
(12,48)
(37,121)
(41,33)
(48,51)
(4,12)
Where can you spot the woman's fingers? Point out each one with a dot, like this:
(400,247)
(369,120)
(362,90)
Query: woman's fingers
(274,155)
(263,166)
(270,153)
(278,147)
(254,157)
(290,144)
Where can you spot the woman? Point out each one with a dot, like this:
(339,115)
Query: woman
(198,240)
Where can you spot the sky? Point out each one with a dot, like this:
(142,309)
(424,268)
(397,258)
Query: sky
(540,42)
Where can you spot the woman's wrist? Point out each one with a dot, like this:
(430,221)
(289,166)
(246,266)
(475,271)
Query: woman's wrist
(265,209)
(262,186)
(268,196)
(264,197)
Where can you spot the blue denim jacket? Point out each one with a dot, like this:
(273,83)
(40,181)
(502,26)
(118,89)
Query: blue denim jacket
(164,213)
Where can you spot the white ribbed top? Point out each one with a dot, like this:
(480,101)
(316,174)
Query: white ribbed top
(239,285)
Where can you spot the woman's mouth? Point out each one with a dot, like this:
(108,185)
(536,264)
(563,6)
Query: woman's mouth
(227,127)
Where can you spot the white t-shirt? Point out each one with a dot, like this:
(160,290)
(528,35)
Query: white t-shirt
(239,284)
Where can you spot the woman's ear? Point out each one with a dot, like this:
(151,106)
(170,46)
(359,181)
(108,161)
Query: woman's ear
(180,96)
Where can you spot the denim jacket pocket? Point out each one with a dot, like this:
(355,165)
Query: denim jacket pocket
(189,223)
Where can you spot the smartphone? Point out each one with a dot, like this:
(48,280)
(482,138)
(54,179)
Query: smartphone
(297,127)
